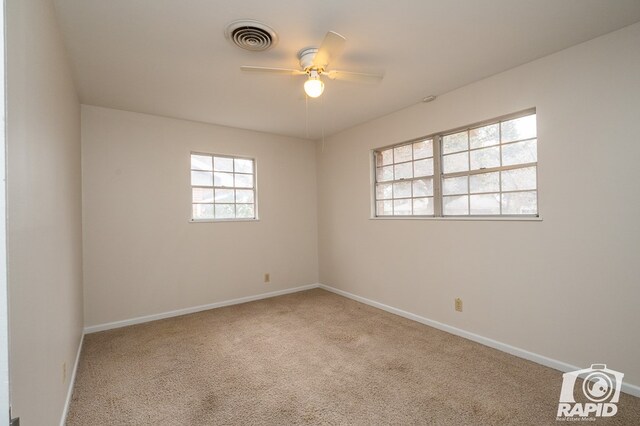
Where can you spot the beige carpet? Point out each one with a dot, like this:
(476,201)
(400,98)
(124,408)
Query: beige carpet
(308,358)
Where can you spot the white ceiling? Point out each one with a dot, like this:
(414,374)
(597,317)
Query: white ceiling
(171,58)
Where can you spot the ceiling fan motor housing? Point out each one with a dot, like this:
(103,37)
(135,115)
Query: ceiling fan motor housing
(306,58)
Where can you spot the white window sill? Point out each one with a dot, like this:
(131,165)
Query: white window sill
(463,218)
(222,220)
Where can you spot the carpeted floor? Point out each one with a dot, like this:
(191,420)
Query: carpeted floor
(308,358)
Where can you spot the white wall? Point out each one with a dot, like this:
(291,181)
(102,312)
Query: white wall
(566,287)
(142,256)
(4,301)
(44,213)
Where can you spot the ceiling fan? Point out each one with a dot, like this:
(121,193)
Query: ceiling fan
(314,63)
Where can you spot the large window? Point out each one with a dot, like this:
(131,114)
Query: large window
(222,187)
(484,170)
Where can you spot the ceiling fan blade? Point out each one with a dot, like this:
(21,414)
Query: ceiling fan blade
(353,76)
(272,70)
(331,47)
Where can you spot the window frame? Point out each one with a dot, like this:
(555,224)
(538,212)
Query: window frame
(438,176)
(254,188)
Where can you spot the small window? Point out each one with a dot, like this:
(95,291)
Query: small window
(222,187)
(482,170)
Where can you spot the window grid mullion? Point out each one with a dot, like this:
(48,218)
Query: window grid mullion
(437,176)
(500,172)
(413,175)
(404,180)
(468,170)
(490,170)
(393,170)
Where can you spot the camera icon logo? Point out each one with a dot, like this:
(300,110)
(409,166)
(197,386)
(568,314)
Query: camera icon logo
(600,385)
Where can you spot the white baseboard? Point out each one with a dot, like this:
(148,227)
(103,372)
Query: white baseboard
(185,311)
(521,353)
(72,381)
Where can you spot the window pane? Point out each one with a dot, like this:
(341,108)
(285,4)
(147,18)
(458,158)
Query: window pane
(423,167)
(519,179)
(485,204)
(244,181)
(225,196)
(384,174)
(455,206)
(402,153)
(202,195)
(402,190)
(245,211)
(423,206)
(454,143)
(243,166)
(201,162)
(402,207)
(519,203)
(403,171)
(203,211)
(222,164)
(455,162)
(485,158)
(518,129)
(225,211)
(485,182)
(484,136)
(385,157)
(244,196)
(384,208)
(457,185)
(423,187)
(519,153)
(223,179)
(384,191)
(423,149)
(202,178)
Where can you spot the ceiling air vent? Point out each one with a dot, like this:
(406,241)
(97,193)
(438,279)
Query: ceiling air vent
(251,35)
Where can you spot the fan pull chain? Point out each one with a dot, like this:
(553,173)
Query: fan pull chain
(306,112)
(323,117)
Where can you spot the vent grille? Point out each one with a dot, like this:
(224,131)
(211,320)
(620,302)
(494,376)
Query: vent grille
(251,35)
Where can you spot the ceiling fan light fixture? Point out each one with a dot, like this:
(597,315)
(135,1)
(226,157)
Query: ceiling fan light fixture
(313,87)
(314,62)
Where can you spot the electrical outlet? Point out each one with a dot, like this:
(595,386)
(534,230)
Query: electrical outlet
(458,304)
(267,278)
(64,372)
